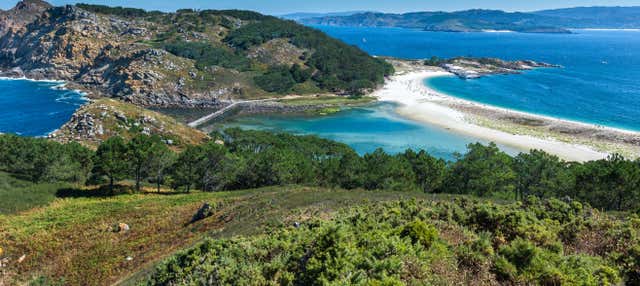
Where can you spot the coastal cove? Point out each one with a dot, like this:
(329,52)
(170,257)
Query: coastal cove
(365,129)
(36,108)
(594,89)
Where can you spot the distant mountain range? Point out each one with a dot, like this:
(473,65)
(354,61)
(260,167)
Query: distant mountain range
(302,15)
(547,21)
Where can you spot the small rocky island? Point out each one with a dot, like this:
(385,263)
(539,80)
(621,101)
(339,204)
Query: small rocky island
(470,68)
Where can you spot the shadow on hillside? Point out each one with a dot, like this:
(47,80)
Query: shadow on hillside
(103,191)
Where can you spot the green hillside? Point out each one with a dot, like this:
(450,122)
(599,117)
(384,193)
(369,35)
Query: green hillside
(184,59)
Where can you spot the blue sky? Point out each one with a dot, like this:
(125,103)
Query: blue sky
(277,7)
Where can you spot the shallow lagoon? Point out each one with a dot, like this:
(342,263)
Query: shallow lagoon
(365,129)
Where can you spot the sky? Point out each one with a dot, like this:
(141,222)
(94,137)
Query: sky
(279,7)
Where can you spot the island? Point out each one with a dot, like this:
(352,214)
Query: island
(470,68)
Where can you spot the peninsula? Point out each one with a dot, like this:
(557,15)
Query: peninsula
(573,141)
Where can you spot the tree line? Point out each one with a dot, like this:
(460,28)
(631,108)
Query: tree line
(240,159)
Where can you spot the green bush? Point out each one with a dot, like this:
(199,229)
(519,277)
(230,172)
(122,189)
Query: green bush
(420,232)
(206,55)
(276,79)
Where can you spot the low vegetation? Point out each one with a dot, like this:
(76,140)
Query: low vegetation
(77,239)
(485,218)
(423,242)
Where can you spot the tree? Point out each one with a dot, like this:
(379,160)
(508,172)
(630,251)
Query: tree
(215,167)
(384,171)
(541,174)
(613,183)
(159,161)
(139,152)
(111,160)
(484,170)
(430,171)
(300,74)
(184,170)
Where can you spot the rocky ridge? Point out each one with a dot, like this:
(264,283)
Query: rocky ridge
(103,118)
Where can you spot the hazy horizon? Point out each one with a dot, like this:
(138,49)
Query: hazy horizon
(282,7)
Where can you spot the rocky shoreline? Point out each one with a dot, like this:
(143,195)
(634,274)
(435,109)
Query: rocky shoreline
(471,68)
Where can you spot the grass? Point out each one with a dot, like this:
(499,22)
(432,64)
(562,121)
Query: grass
(71,240)
(17,195)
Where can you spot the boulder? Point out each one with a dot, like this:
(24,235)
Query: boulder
(203,212)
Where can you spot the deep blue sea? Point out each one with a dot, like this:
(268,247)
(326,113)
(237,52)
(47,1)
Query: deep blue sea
(599,82)
(35,108)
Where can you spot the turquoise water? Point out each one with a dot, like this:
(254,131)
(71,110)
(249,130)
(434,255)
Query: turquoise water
(600,81)
(366,129)
(35,108)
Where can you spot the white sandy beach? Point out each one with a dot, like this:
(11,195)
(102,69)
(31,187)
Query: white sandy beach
(420,103)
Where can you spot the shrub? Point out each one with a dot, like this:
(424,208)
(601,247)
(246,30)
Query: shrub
(420,232)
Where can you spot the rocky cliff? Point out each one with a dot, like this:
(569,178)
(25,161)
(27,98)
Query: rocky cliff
(101,53)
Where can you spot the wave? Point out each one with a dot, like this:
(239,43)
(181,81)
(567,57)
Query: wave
(32,80)
(497,31)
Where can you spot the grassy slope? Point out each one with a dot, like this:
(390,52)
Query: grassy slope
(70,238)
(17,195)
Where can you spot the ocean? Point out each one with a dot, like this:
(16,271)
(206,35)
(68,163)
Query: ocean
(35,108)
(599,82)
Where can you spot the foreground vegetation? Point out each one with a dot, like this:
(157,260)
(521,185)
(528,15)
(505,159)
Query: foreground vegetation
(76,239)
(417,242)
(540,219)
